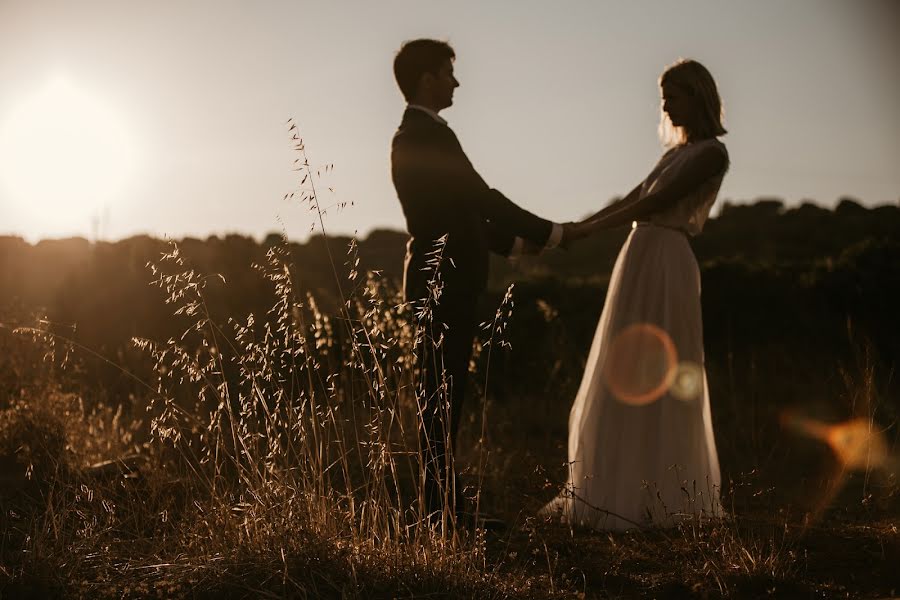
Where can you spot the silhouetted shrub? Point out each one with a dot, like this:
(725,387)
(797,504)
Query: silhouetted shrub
(33,449)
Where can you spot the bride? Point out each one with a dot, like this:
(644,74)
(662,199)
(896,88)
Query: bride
(641,446)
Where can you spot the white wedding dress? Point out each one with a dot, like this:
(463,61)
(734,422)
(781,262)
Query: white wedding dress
(641,446)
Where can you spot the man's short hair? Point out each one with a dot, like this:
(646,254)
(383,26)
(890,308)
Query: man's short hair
(417,57)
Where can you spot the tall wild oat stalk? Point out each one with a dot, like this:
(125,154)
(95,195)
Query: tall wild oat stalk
(303,413)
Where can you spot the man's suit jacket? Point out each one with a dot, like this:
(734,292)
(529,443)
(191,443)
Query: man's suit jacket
(442,194)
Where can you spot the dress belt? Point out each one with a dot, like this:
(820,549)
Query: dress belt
(636,224)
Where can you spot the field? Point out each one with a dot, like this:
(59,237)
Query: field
(158,440)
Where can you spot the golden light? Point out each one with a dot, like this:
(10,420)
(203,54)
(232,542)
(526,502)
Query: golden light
(641,364)
(687,384)
(64,155)
(856,444)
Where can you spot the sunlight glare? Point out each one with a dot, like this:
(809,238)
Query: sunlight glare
(641,364)
(856,444)
(688,381)
(64,154)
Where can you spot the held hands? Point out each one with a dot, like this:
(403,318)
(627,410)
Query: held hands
(574,231)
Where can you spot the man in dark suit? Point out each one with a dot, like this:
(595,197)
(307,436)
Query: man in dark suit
(442,195)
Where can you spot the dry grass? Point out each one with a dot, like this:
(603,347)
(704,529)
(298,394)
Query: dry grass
(282,456)
(278,456)
(283,463)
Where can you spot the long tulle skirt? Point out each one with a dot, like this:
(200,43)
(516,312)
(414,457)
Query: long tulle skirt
(641,447)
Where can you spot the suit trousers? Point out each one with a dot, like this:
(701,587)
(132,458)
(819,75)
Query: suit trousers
(444,373)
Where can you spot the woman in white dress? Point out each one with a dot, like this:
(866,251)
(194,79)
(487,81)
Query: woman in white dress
(641,446)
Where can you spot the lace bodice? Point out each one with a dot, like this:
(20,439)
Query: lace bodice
(689,213)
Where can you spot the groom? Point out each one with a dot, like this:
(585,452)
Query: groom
(442,195)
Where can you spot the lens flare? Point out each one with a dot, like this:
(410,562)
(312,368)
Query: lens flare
(856,444)
(687,384)
(641,364)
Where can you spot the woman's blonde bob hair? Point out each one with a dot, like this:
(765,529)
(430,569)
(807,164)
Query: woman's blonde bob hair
(696,80)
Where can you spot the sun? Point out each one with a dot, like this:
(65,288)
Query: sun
(65,155)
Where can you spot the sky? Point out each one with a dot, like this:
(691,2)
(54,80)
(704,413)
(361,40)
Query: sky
(121,117)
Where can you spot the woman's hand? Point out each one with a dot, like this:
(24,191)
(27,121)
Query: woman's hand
(574,231)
